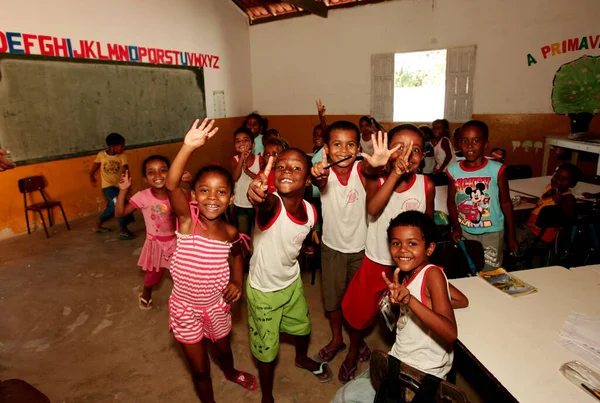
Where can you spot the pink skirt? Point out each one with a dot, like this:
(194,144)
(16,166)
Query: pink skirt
(156,252)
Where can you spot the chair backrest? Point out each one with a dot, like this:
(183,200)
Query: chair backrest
(518,172)
(451,257)
(31,184)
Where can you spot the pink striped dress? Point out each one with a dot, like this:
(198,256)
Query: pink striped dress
(200,273)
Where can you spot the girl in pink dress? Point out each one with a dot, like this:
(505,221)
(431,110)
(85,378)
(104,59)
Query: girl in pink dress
(204,286)
(159,219)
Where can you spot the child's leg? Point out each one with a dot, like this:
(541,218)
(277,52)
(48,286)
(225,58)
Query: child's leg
(334,267)
(109,212)
(242,218)
(151,279)
(245,379)
(493,248)
(197,358)
(302,360)
(266,374)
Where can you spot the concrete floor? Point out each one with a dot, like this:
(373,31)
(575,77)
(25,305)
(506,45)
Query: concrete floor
(71,326)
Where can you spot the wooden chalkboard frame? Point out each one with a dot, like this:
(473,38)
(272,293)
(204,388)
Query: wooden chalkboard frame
(198,73)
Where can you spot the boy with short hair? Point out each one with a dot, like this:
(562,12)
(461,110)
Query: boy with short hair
(479,197)
(112,163)
(343,200)
(276,301)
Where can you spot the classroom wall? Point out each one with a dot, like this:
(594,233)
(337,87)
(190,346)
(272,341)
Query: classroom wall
(297,60)
(214,27)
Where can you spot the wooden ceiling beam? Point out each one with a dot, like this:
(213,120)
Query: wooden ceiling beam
(311,6)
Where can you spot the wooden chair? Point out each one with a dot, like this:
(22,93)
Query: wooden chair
(36,183)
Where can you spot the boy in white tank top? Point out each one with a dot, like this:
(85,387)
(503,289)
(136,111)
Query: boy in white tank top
(343,198)
(426,329)
(276,301)
(398,188)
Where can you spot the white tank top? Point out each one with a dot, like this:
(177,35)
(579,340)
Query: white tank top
(344,212)
(243,183)
(274,263)
(413,198)
(416,345)
(440,154)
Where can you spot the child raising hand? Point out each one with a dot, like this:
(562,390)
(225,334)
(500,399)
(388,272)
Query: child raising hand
(203,283)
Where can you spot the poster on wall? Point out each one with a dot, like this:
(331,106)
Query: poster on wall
(45,45)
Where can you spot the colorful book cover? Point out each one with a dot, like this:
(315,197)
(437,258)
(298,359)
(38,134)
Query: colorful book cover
(507,283)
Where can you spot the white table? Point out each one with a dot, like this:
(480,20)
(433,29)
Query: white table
(595,268)
(441,198)
(535,186)
(516,338)
(577,145)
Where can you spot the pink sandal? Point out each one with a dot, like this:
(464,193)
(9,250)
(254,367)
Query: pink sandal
(241,379)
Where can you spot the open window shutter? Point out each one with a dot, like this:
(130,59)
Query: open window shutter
(460,70)
(382,87)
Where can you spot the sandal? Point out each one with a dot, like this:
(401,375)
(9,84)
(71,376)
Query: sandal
(331,351)
(323,369)
(346,374)
(103,231)
(126,236)
(364,353)
(144,304)
(241,380)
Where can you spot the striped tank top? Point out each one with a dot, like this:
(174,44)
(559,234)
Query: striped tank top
(200,269)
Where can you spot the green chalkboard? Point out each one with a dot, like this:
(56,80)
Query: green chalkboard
(55,108)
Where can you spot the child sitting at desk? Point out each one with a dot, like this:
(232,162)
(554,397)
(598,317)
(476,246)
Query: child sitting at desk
(557,192)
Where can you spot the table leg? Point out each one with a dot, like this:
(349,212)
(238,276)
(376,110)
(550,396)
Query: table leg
(547,148)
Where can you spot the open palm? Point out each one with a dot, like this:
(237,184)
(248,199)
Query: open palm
(199,133)
(381,154)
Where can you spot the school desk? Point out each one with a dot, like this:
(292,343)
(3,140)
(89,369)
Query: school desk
(514,340)
(595,268)
(534,187)
(441,197)
(576,145)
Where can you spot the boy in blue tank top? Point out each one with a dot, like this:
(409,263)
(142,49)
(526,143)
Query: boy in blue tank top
(479,197)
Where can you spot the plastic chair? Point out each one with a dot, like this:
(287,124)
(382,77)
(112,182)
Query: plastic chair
(518,172)
(31,185)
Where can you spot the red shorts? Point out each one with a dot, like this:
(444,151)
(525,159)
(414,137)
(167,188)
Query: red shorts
(360,303)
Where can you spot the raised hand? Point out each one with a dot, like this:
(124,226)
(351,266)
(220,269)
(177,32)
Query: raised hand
(318,171)
(320,107)
(258,189)
(5,163)
(187,177)
(399,294)
(381,154)
(125,181)
(401,165)
(199,133)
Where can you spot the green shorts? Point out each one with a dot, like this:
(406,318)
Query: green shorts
(270,313)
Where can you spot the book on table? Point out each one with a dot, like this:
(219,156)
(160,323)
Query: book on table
(506,282)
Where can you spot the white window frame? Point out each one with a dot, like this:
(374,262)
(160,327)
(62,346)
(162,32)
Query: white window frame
(460,73)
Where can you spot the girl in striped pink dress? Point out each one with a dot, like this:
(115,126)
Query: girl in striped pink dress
(203,284)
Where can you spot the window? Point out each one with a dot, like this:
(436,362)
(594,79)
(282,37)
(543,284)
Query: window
(423,86)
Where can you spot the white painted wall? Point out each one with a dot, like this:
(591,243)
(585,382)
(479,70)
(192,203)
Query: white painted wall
(215,27)
(297,60)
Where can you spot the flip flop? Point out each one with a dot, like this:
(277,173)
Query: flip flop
(345,373)
(324,352)
(241,379)
(323,369)
(364,353)
(145,304)
(103,230)
(126,236)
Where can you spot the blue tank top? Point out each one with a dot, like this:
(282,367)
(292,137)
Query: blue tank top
(477,197)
